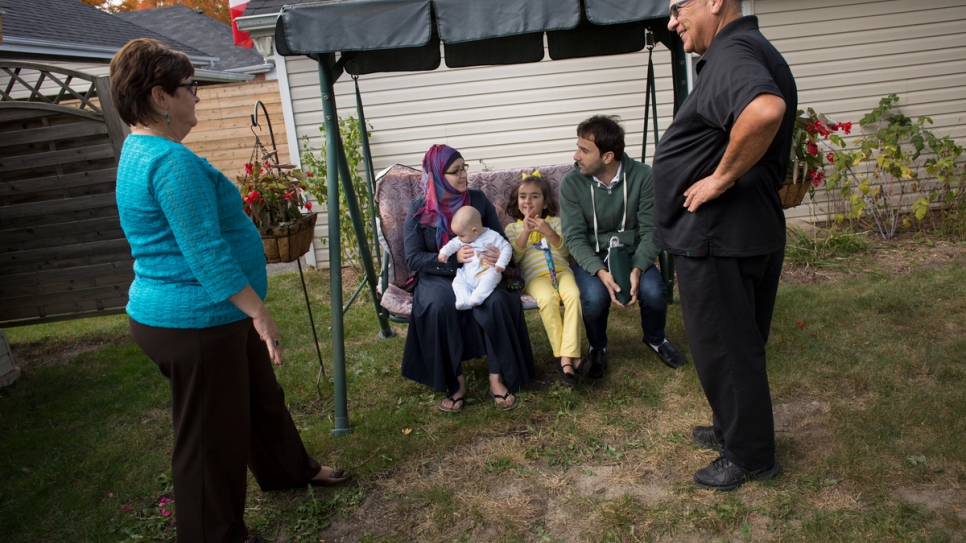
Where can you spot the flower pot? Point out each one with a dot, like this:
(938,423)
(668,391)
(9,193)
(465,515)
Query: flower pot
(794,189)
(287,243)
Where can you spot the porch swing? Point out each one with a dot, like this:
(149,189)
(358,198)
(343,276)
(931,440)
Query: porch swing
(405,36)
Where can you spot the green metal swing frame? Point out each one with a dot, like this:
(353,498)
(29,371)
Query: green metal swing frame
(294,33)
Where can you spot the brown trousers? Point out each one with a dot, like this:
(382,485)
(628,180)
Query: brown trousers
(229,412)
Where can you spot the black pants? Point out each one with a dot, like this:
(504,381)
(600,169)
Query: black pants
(727,305)
(229,413)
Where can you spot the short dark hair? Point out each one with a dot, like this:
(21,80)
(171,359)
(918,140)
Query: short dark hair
(551,209)
(138,67)
(607,133)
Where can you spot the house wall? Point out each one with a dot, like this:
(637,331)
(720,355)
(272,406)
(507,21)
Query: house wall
(846,55)
(498,117)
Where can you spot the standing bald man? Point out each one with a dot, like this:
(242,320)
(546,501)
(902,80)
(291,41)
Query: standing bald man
(717,172)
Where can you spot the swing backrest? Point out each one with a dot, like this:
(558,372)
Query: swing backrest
(398,185)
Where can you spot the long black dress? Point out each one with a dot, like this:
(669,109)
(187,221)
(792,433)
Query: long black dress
(440,337)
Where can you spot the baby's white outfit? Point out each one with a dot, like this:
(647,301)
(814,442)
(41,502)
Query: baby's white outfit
(477,279)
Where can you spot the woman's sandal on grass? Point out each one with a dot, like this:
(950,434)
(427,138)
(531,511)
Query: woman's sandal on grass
(507,403)
(336,477)
(455,401)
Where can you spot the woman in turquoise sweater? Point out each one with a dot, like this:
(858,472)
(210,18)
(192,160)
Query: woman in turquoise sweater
(196,305)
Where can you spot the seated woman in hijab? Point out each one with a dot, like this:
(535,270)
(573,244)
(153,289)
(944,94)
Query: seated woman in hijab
(441,337)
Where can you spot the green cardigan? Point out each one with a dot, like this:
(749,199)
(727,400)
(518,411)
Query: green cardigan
(580,195)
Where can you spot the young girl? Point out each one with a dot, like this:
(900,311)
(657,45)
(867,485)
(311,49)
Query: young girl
(540,251)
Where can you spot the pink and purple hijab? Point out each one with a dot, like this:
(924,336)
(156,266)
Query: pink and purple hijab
(442,200)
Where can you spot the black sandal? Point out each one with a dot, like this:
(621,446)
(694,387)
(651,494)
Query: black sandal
(583,367)
(569,379)
(505,397)
(453,409)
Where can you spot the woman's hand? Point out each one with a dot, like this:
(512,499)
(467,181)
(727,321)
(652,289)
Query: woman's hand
(491,255)
(465,254)
(249,303)
(270,334)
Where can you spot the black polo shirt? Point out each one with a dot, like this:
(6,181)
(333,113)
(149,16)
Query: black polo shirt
(746,220)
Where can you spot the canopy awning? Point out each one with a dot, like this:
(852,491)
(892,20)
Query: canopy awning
(404,35)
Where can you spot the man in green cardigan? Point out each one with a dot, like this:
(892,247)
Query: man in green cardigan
(610,195)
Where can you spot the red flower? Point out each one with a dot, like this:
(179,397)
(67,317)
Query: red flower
(248,168)
(308,174)
(847,127)
(816,177)
(287,196)
(308,205)
(812,148)
(830,156)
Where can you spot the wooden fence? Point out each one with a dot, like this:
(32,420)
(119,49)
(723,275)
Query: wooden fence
(62,251)
(224,135)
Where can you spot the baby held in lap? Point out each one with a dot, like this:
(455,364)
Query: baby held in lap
(476,279)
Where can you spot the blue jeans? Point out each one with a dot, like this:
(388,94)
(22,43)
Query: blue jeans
(595,301)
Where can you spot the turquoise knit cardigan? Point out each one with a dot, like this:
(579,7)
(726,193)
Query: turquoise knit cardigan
(193,245)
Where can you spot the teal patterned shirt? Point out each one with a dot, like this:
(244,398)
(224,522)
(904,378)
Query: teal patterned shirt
(193,245)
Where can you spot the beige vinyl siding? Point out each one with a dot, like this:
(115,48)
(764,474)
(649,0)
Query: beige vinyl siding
(505,116)
(847,55)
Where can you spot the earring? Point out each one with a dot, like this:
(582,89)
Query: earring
(166,118)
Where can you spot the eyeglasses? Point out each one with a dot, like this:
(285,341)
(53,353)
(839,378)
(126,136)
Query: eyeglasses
(193,86)
(676,8)
(463,169)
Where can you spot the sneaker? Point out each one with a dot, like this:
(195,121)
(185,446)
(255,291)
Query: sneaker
(598,363)
(722,474)
(671,357)
(704,436)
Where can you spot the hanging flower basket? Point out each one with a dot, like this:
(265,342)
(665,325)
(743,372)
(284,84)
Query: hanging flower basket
(287,243)
(793,191)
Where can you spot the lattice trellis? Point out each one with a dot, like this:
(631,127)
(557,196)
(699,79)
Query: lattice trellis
(59,81)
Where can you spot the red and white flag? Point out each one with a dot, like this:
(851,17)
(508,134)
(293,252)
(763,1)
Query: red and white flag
(236,8)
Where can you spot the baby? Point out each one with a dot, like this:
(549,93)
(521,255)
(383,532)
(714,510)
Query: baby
(476,279)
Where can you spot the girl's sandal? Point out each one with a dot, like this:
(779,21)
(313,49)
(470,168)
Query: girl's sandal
(583,366)
(506,405)
(454,401)
(569,379)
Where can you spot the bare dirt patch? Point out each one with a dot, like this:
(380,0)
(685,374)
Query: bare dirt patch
(901,255)
(943,501)
(38,354)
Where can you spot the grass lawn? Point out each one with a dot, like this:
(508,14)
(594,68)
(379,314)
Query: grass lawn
(868,380)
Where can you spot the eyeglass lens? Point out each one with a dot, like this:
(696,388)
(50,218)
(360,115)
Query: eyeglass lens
(676,8)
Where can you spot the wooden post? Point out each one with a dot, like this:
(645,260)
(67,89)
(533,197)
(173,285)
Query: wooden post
(116,128)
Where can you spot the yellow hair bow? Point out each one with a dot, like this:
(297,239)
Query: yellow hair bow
(535,173)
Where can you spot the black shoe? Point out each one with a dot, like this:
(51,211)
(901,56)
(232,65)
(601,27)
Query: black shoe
(569,379)
(598,363)
(704,436)
(722,474)
(671,357)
